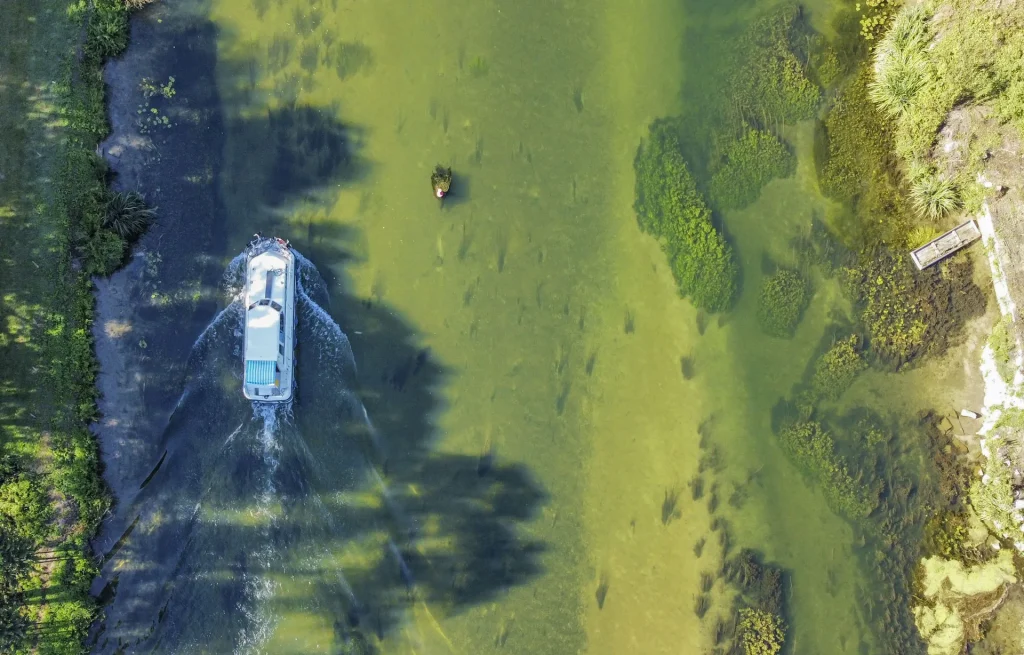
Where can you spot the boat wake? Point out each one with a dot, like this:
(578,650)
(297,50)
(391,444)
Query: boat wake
(254,510)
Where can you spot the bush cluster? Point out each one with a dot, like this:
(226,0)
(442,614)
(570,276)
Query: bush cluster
(784,296)
(748,164)
(928,62)
(1003,342)
(669,206)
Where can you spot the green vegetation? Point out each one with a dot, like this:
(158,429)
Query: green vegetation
(836,370)
(812,449)
(1003,342)
(906,313)
(761,633)
(784,296)
(857,168)
(127,215)
(992,495)
(921,235)
(670,207)
(931,61)
(934,195)
(749,163)
(875,16)
(769,83)
(62,228)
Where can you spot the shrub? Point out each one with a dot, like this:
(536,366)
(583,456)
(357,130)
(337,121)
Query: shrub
(921,235)
(103,253)
(836,370)
(898,79)
(749,163)
(783,299)
(992,495)
(127,215)
(107,32)
(933,195)
(669,207)
(1003,342)
(761,633)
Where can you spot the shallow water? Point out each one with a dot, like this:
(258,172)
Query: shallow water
(487,465)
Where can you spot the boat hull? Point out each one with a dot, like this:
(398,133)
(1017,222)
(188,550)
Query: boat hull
(268,372)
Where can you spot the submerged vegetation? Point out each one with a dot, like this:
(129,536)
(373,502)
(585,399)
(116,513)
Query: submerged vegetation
(670,207)
(769,83)
(761,633)
(907,313)
(749,163)
(52,497)
(836,370)
(783,299)
(812,448)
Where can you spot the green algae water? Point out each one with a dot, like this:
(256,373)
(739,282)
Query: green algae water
(556,448)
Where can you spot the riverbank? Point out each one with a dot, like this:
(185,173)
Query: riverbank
(956,141)
(59,230)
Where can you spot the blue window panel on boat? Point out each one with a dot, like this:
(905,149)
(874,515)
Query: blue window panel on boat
(258,371)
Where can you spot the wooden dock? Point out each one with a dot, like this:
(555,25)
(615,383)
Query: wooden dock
(945,245)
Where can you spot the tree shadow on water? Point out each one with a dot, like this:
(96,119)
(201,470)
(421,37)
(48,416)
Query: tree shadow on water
(242,522)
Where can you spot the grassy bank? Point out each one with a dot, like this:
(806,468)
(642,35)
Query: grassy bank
(61,227)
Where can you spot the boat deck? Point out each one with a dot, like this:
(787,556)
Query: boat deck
(943,246)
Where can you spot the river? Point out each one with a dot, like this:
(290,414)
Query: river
(492,444)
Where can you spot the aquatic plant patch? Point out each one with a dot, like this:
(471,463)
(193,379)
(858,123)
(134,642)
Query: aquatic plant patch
(669,207)
(784,296)
(906,313)
(748,164)
(761,633)
(770,85)
(836,370)
(812,449)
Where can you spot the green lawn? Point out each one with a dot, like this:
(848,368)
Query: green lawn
(52,195)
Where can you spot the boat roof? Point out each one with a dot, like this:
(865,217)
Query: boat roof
(264,301)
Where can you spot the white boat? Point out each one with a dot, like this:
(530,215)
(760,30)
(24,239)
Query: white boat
(269,320)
